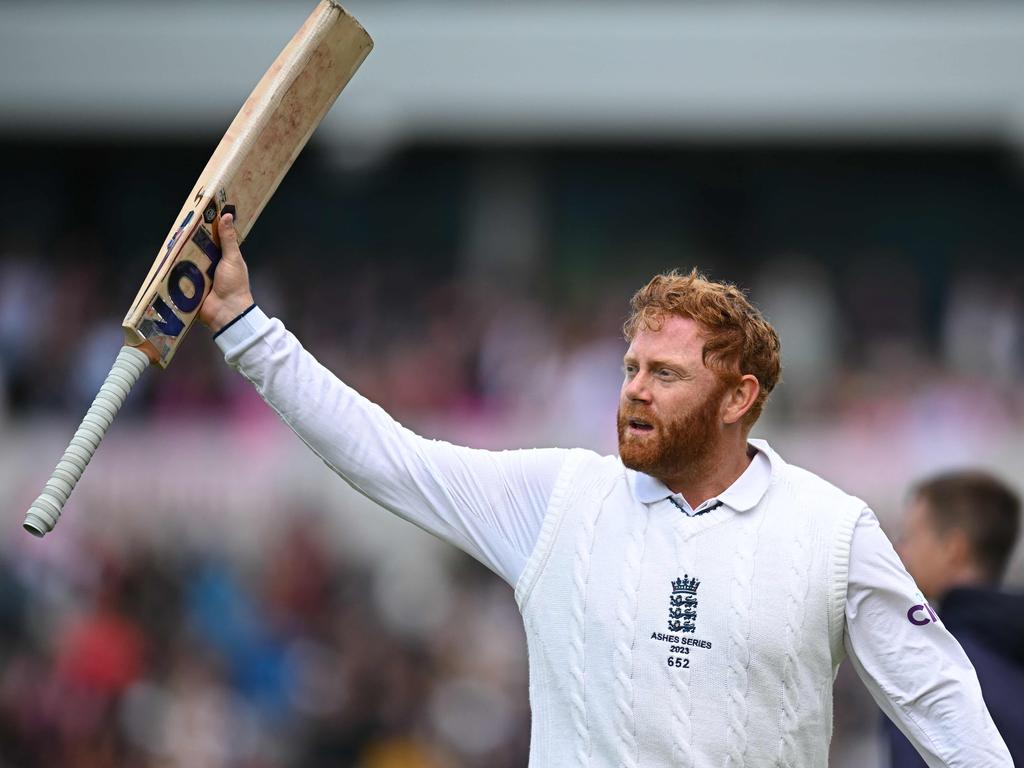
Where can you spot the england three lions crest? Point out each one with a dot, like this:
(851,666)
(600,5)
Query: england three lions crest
(682,610)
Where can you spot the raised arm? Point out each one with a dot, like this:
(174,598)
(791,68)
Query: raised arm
(489,504)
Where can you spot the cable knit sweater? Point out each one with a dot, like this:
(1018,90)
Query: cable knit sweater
(661,640)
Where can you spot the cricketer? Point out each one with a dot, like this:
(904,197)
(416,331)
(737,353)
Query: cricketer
(687,602)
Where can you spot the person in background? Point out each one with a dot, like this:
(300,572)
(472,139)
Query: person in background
(959,532)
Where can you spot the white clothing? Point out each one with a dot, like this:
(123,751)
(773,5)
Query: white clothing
(493,505)
(658,639)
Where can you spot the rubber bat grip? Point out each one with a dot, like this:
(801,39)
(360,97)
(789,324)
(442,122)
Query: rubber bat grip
(42,516)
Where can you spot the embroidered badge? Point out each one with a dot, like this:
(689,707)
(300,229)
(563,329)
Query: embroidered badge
(682,623)
(682,610)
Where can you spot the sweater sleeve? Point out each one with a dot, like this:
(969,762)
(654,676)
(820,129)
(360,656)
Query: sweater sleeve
(913,667)
(489,504)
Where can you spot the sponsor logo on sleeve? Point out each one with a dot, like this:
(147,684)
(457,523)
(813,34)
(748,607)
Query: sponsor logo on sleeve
(921,613)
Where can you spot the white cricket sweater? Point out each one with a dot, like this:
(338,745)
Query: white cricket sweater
(661,640)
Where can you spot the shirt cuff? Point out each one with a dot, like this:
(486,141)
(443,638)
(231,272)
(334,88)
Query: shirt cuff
(241,329)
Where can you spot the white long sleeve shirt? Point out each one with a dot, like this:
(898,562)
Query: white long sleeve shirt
(492,505)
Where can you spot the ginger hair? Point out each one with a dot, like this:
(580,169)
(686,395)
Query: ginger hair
(737,338)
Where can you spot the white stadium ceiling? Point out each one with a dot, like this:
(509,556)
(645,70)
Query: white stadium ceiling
(461,71)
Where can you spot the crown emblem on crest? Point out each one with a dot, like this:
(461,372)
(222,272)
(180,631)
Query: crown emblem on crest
(685,585)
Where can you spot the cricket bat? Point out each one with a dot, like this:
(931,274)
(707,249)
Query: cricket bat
(259,147)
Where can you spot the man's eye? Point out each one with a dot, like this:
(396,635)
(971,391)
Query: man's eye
(666,373)
(629,370)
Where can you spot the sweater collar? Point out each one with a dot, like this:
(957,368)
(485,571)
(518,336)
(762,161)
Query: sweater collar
(743,495)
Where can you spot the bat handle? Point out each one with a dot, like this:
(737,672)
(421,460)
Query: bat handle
(42,516)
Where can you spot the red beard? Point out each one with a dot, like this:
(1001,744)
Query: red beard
(672,448)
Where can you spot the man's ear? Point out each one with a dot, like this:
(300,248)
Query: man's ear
(959,550)
(739,398)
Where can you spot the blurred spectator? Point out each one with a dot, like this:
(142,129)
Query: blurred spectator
(958,536)
(984,327)
(796,298)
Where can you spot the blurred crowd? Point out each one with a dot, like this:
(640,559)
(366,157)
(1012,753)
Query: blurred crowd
(494,289)
(856,347)
(162,656)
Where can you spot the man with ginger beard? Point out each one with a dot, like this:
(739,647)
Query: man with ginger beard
(661,447)
(687,602)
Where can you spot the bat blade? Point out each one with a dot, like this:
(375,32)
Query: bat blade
(245,169)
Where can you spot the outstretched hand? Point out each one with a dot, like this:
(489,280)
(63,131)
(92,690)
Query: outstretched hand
(230,295)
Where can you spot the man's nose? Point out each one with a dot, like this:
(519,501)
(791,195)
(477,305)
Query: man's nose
(637,389)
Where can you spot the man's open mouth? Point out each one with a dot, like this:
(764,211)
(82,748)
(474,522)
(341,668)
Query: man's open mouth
(641,425)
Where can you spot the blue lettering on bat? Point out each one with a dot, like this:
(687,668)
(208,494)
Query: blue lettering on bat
(164,319)
(168,323)
(205,243)
(177,232)
(185,270)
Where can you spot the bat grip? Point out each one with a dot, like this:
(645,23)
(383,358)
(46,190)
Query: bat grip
(42,516)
